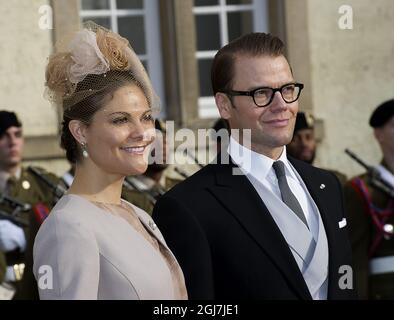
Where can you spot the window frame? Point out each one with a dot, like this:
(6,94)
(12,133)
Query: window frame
(260,12)
(152,57)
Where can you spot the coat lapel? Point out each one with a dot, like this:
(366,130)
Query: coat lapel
(322,198)
(316,273)
(148,223)
(237,194)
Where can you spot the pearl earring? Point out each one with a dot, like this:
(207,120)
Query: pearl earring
(85,153)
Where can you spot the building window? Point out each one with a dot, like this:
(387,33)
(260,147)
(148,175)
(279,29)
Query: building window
(137,21)
(217,23)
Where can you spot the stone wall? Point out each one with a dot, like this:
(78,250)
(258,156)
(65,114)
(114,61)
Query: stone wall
(348,72)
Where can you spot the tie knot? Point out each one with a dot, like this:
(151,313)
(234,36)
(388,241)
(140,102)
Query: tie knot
(279,168)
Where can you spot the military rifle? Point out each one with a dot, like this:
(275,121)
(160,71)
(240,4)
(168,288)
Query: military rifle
(374,175)
(57,189)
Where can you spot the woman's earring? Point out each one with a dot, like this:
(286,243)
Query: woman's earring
(85,153)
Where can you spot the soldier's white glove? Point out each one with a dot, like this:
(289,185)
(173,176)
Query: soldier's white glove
(11,237)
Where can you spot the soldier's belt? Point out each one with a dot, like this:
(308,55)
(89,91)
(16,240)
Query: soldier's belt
(381,265)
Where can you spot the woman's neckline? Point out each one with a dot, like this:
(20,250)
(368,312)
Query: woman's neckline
(95,201)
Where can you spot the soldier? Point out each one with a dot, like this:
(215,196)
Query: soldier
(26,187)
(303,145)
(371,208)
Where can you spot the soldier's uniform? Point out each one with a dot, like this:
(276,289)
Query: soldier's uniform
(366,219)
(139,199)
(31,190)
(149,190)
(371,219)
(172,181)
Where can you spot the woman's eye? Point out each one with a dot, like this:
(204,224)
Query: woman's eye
(148,118)
(120,120)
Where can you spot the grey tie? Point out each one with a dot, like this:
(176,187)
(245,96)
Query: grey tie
(287,196)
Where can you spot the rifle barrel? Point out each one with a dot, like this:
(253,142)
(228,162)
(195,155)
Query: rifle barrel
(15,203)
(58,190)
(357,159)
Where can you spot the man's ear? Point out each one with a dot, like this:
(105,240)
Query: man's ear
(378,134)
(224,105)
(78,130)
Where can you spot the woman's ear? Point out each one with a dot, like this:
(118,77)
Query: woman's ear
(78,130)
(224,105)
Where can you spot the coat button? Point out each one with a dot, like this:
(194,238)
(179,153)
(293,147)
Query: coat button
(322,186)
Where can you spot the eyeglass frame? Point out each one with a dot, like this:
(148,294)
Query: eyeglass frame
(251,93)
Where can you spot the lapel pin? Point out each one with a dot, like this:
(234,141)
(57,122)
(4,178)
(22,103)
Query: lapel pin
(152,225)
(322,186)
(342,223)
(26,185)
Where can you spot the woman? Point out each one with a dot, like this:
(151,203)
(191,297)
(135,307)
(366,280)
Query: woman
(94,245)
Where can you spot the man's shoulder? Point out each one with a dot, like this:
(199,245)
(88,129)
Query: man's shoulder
(198,181)
(306,168)
(341,176)
(27,172)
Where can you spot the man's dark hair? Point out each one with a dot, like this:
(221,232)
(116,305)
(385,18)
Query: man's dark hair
(252,44)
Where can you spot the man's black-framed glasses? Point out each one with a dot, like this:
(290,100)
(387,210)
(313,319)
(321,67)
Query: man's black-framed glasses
(263,96)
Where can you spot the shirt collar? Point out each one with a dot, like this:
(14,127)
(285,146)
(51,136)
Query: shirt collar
(253,163)
(4,176)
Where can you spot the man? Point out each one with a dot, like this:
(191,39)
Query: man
(303,145)
(232,234)
(18,183)
(371,215)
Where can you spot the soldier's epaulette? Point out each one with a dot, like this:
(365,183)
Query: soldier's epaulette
(47,174)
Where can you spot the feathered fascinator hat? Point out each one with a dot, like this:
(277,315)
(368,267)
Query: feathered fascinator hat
(94,60)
